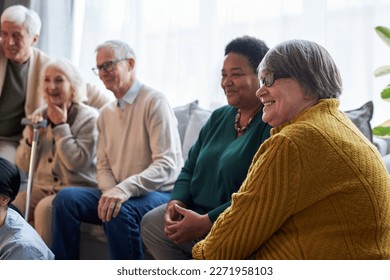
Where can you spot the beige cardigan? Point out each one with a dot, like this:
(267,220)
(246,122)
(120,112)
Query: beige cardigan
(66,154)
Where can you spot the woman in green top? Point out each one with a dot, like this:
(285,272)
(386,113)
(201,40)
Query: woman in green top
(217,163)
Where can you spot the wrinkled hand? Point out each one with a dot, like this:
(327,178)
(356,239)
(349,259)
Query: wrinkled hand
(190,227)
(56,114)
(110,203)
(171,216)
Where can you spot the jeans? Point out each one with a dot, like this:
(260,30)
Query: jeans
(77,204)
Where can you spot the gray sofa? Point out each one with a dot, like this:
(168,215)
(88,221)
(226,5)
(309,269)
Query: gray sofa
(361,117)
(191,118)
(383,145)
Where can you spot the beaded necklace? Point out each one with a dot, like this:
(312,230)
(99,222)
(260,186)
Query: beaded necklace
(237,126)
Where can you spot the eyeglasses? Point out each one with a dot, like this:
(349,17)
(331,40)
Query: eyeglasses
(270,79)
(107,66)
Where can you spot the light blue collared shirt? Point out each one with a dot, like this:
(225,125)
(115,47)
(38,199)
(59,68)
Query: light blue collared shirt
(130,95)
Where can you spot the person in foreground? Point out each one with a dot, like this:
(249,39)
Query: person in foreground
(218,161)
(138,159)
(66,150)
(18,240)
(317,188)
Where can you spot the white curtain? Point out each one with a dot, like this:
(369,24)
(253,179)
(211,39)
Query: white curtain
(180,43)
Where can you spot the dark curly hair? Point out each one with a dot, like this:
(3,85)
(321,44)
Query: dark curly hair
(252,48)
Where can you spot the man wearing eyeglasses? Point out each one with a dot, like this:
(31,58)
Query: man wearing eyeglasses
(20,66)
(138,159)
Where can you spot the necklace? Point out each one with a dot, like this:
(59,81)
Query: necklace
(241,129)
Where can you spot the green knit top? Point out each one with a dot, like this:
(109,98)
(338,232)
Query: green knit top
(317,189)
(218,162)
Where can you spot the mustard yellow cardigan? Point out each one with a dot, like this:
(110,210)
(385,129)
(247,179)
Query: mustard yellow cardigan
(317,189)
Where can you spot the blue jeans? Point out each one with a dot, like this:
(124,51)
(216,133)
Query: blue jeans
(76,204)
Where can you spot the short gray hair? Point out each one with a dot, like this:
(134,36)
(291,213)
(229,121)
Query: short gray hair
(72,74)
(308,63)
(22,16)
(119,48)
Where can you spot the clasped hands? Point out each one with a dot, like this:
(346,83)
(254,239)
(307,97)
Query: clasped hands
(182,225)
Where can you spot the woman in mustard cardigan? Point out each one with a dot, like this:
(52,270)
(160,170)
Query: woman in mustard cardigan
(317,189)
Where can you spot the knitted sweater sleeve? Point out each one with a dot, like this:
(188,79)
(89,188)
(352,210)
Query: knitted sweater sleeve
(105,176)
(76,144)
(265,200)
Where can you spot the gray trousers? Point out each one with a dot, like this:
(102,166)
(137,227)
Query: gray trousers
(156,242)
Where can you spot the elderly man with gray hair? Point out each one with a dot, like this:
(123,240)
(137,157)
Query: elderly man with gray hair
(138,159)
(20,64)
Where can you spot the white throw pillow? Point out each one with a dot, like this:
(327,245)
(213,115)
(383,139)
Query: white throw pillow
(183,114)
(197,119)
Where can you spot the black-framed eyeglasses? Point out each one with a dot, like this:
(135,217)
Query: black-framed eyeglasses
(270,79)
(107,66)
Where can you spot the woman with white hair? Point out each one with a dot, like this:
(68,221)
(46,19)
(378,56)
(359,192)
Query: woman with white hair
(21,63)
(67,146)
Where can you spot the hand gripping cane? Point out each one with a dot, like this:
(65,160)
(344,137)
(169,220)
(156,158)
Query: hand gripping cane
(36,126)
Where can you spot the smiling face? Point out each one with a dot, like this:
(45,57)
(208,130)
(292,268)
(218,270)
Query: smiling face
(16,42)
(57,88)
(121,77)
(283,100)
(239,81)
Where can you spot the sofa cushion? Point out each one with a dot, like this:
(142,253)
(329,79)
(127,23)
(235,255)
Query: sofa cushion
(197,119)
(386,159)
(183,114)
(191,119)
(361,117)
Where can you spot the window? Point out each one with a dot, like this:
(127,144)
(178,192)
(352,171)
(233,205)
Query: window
(180,43)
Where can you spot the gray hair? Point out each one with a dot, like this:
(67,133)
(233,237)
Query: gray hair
(22,16)
(71,73)
(308,63)
(119,48)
